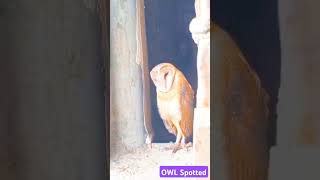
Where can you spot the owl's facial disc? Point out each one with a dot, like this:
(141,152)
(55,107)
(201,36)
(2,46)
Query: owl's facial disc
(163,77)
(153,75)
(168,78)
(161,83)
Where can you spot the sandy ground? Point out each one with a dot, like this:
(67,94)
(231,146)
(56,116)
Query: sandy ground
(143,163)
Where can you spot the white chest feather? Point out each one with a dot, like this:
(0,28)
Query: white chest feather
(169,109)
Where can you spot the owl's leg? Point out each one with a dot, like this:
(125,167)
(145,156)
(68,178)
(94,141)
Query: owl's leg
(172,146)
(184,144)
(177,145)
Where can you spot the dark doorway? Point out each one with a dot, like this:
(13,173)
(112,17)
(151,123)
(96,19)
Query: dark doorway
(254,26)
(169,40)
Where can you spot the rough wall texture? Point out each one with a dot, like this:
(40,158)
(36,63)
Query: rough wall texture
(56,114)
(126,113)
(299,92)
(296,155)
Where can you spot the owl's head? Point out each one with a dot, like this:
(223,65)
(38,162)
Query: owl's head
(163,75)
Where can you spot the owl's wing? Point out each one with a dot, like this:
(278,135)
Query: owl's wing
(187,94)
(170,126)
(188,106)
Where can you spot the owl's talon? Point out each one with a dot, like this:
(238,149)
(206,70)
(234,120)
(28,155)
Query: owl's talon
(188,145)
(176,148)
(170,147)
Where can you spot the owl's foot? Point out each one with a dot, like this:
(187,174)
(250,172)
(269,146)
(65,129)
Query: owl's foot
(176,148)
(170,147)
(187,146)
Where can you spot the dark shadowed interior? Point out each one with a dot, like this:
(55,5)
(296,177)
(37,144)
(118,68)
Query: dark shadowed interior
(169,40)
(252,24)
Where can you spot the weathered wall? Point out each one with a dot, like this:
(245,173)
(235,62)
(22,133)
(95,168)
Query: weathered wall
(296,155)
(126,113)
(56,113)
(299,92)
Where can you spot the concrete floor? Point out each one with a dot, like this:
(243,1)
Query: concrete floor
(144,163)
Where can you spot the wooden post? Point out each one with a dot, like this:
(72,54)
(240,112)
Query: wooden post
(200,29)
(142,60)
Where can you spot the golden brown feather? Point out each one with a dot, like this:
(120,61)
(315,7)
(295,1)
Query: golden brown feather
(175,100)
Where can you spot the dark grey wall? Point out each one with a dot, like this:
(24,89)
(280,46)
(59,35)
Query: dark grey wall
(169,40)
(56,111)
(4,97)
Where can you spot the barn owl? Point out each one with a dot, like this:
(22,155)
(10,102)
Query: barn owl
(175,98)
